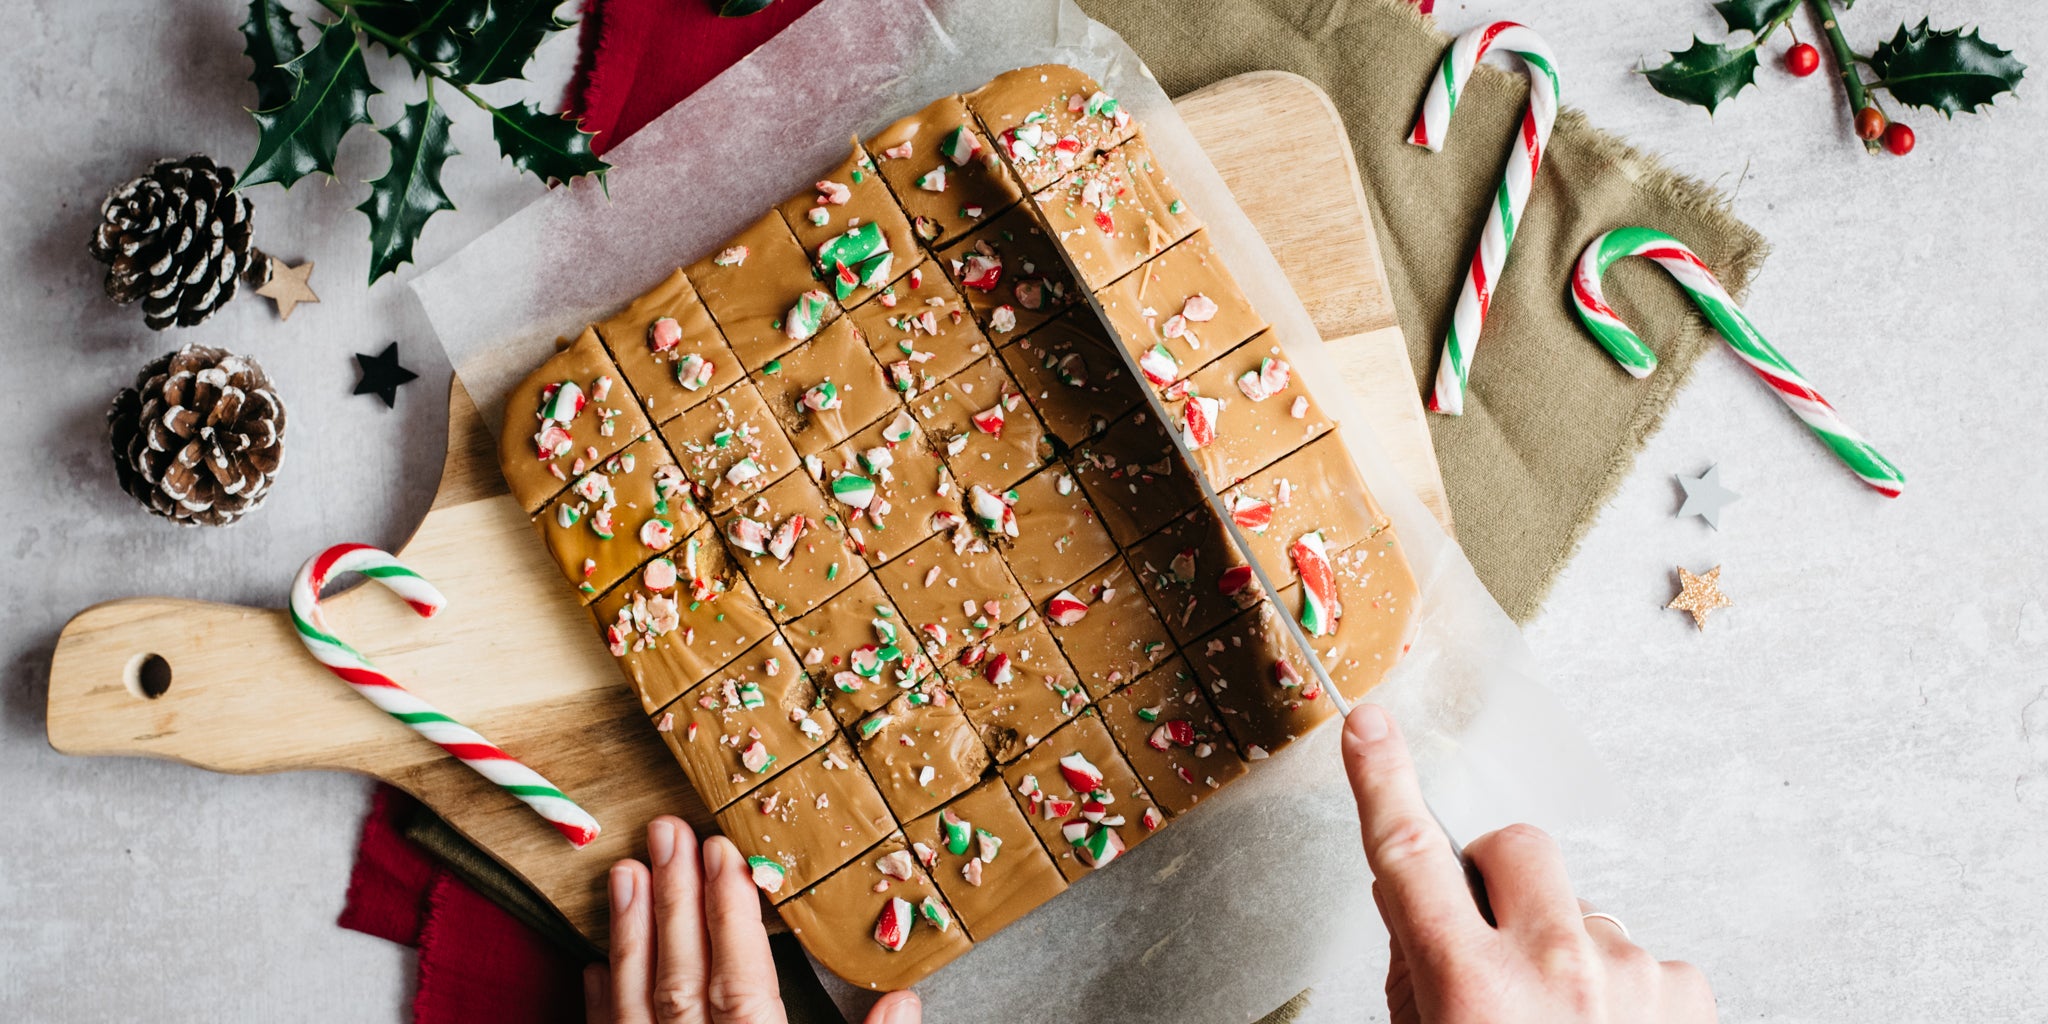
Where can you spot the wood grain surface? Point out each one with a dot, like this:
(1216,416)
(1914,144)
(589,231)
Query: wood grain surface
(514,655)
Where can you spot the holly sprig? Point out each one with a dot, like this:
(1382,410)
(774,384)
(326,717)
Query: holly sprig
(1947,70)
(310,97)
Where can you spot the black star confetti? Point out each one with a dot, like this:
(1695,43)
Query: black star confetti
(381,375)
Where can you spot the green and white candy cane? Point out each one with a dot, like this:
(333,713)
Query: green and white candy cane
(1720,309)
(450,735)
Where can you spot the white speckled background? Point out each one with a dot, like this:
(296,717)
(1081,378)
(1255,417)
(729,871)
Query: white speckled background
(1837,797)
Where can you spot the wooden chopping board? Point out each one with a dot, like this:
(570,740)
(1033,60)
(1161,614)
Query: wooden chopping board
(514,656)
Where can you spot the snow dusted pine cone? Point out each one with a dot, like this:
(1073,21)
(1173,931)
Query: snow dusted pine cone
(199,437)
(177,238)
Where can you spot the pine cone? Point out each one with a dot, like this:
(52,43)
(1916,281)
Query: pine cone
(199,437)
(177,238)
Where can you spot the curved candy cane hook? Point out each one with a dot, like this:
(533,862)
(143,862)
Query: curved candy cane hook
(366,679)
(1720,309)
(1505,213)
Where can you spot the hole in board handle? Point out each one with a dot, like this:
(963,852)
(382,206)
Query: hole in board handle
(149,675)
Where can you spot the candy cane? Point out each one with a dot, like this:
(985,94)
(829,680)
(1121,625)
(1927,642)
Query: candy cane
(1510,198)
(398,702)
(1720,310)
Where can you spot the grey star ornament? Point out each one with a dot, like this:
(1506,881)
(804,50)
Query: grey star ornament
(1706,497)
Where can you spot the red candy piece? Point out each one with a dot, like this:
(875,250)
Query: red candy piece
(981,273)
(1065,609)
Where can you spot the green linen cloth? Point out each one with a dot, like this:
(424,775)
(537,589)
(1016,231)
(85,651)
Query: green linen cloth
(1551,424)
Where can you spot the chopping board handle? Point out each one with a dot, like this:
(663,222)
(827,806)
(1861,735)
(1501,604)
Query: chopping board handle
(218,686)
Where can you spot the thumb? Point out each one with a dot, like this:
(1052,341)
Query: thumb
(897,1008)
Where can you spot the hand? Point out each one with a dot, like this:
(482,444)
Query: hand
(1542,963)
(687,942)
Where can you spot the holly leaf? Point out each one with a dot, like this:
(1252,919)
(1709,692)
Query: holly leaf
(1944,69)
(331,92)
(427,27)
(1753,15)
(1706,74)
(271,39)
(410,190)
(548,146)
(500,37)
(740,8)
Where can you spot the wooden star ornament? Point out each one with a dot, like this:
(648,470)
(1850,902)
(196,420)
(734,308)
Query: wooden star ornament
(1699,594)
(288,286)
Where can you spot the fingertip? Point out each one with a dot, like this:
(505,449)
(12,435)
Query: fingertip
(901,1007)
(625,885)
(720,856)
(1366,725)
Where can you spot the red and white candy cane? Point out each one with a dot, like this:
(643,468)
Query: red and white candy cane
(1714,302)
(1504,214)
(398,702)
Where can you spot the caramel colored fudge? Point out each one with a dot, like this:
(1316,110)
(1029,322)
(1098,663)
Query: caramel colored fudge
(849,225)
(1180,311)
(1059,536)
(1316,489)
(616,515)
(1015,687)
(860,635)
(1260,682)
(1115,212)
(669,349)
(563,419)
(1374,618)
(1058,781)
(1194,574)
(881,525)
(1072,376)
(908,492)
(920,330)
(988,433)
(1118,635)
(943,170)
(811,819)
(1172,737)
(953,595)
(1135,477)
(746,724)
(826,389)
(1244,411)
(682,617)
(985,859)
(920,750)
(754,283)
(1011,274)
(729,447)
(1048,119)
(839,919)
(792,547)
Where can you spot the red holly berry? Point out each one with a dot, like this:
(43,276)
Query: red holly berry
(1898,139)
(1869,124)
(1802,59)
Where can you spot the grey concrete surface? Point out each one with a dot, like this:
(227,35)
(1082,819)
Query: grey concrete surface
(1836,796)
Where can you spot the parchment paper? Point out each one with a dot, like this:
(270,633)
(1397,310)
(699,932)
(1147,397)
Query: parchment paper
(1262,890)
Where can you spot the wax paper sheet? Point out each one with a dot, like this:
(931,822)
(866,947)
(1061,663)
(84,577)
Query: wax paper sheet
(1263,890)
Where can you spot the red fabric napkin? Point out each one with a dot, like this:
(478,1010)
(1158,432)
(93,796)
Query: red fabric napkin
(641,57)
(477,962)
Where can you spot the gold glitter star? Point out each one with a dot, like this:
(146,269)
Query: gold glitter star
(1699,594)
(288,286)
